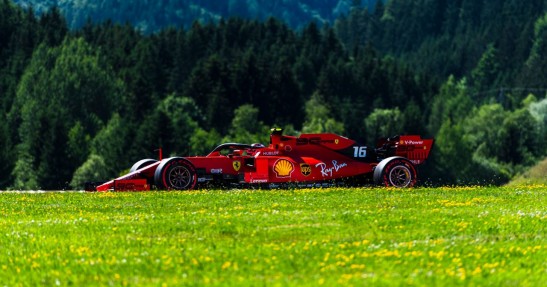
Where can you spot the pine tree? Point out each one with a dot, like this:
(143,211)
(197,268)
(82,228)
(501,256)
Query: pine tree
(61,87)
(485,75)
(536,65)
(54,27)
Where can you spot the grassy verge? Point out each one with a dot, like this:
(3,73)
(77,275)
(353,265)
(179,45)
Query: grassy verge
(431,236)
(535,175)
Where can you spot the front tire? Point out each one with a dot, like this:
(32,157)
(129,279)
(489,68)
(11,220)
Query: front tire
(175,174)
(396,172)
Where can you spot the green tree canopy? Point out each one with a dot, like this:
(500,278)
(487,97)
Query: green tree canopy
(451,104)
(535,67)
(319,118)
(539,111)
(486,73)
(452,156)
(93,169)
(383,123)
(61,88)
(246,128)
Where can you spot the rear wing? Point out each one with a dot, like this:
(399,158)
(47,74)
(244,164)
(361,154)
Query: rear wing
(412,147)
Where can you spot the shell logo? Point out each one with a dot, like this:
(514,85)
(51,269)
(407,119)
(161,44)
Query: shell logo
(283,168)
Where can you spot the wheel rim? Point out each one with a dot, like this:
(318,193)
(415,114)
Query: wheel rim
(400,176)
(179,177)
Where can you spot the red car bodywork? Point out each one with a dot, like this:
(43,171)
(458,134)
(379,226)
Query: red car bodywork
(308,160)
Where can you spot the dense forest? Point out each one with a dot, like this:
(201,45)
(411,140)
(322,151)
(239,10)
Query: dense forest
(85,104)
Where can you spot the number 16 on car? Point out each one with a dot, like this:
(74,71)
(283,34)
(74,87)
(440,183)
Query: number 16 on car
(359,151)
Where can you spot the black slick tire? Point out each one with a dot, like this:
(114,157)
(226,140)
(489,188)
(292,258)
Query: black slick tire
(395,172)
(175,173)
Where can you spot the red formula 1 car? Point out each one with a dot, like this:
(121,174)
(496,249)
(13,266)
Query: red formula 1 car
(309,160)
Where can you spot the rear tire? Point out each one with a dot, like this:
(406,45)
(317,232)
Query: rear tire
(175,174)
(396,172)
(142,163)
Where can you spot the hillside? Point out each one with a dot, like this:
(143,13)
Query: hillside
(535,175)
(151,16)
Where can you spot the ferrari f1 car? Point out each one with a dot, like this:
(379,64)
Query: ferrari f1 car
(308,160)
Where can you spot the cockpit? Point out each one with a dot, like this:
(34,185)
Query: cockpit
(229,149)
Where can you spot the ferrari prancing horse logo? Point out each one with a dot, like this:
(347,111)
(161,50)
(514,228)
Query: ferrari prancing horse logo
(236,164)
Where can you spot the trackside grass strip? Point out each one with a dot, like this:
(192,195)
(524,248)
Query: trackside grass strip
(477,236)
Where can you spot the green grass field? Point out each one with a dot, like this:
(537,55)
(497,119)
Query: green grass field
(475,236)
